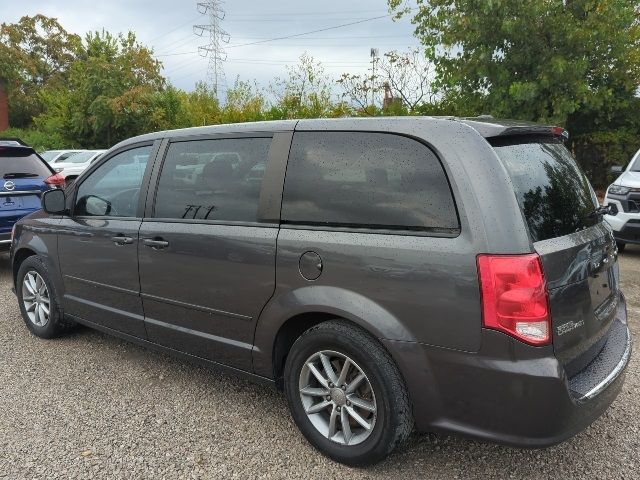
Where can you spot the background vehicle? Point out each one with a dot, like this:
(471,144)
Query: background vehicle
(23,178)
(75,164)
(454,274)
(624,194)
(51,156)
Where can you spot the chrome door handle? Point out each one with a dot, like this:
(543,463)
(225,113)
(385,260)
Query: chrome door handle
(122,240)
(156,244)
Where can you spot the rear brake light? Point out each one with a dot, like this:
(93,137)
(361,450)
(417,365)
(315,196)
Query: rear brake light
(514,297)
(56,180)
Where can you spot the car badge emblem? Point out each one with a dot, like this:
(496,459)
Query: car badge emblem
(9,185)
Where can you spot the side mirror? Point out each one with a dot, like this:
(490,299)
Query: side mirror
(54,202)
(618,169)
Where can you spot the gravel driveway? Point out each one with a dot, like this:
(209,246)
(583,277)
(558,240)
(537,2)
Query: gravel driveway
(92,406)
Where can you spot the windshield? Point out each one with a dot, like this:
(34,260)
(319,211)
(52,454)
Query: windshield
(636,162)
(554,194)
(82,157)
(21,163)
(49,155)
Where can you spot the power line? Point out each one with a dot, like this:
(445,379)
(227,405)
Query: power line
(310,32)
(174,29)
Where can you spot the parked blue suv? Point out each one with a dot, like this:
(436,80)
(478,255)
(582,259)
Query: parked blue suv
(24,176)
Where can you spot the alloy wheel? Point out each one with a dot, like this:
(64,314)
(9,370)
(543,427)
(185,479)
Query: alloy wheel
(337,397)
(35,297)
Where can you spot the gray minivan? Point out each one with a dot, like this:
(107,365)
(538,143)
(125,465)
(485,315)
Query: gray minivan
(450,274)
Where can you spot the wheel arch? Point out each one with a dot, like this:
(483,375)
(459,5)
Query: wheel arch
(286,317)
(18,259)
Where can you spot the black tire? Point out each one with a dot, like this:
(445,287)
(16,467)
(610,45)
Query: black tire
(621,246)
(56,324)
(394,420)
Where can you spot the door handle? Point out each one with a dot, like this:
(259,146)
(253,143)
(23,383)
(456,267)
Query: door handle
(156,244)
(122,240)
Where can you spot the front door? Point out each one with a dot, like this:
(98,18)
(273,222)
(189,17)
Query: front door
(207,266)
(98,244)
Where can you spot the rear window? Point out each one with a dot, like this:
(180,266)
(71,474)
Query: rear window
(17,163)
(554,194)
(366,179)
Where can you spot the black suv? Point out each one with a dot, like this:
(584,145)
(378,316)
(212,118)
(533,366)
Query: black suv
(452,274)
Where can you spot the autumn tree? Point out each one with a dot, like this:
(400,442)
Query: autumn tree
(35,53)
(407,75)
(109,92)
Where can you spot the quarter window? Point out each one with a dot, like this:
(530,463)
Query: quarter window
(366,179)
(113,189)
(217,180)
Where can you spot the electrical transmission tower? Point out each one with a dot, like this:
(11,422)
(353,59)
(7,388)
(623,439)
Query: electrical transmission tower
(217,37)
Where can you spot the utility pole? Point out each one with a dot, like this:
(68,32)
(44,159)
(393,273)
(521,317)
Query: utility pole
(374,57)
(217,37)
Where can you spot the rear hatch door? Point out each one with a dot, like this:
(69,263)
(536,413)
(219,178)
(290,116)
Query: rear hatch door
(22,175)
(576,247)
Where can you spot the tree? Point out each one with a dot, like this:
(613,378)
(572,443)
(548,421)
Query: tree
(304,93)
(533,59)
(407,75)
(36,53)
(109,92)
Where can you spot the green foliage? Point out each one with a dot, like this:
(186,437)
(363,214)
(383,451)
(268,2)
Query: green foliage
(37,139)
(108,94)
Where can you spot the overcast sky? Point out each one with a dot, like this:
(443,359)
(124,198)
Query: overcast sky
(167,26)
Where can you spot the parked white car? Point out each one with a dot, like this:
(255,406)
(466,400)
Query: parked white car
(52,156)
(74,165)
(624,195)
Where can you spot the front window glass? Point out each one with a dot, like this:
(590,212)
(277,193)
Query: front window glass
(113,189)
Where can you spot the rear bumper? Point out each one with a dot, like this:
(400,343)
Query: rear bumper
(508,392)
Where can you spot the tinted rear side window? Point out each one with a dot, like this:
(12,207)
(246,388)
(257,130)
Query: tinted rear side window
(554,194)
(16,163)
(213,180)
(366,179)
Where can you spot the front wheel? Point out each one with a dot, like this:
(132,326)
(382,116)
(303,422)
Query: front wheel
(621,246)
(346,394)
(38,299)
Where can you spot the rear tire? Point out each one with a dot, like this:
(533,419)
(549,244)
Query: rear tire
(38,300)
(371,391)
(621,246)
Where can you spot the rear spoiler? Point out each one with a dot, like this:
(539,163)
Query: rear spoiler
(534,130)
(489,127)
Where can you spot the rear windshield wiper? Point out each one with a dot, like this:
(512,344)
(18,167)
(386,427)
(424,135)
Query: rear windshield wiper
(19,175)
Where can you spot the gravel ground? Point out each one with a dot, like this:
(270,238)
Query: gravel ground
(92,406)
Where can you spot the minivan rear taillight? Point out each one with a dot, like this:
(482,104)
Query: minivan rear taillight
(514,297)
(55,180)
